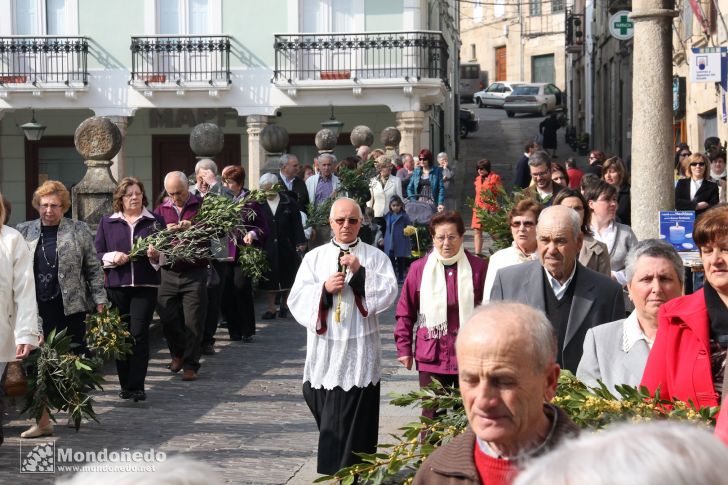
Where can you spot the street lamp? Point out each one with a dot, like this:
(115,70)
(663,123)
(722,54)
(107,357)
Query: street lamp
(33,131)
(332,123)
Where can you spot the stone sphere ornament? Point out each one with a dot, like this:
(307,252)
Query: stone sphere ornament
(97,138)
(326,140)
(362,135)
(390,137)
(274,139)
(206,140)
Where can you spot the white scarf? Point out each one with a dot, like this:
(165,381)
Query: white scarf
(433,292)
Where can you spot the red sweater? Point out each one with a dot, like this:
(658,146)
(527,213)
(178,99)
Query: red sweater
(494,471)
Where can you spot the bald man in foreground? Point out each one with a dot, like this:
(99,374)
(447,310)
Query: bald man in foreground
(340,289)
(508,375)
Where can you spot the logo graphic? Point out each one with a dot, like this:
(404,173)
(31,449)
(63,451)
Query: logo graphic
(38,459)
(702,62)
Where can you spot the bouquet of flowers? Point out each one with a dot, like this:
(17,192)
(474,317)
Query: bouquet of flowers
(107,335)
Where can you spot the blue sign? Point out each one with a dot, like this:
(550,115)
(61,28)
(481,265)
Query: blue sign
(676,227)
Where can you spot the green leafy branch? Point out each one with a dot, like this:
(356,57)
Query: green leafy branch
(62,381)
(588,407)
(353,183)
(107,335)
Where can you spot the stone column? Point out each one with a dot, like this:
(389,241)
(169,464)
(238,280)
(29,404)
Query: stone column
(410,124)
(98,140)
(256,153)
(118,169)
(653,186)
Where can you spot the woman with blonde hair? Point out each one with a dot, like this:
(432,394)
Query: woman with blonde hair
(696,193)
(69,281)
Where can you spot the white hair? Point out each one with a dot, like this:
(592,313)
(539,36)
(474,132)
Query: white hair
(538,328)
(176,470)
(268,178)
(180,176)
(330,156)
(574,218)
(363,148)
(206,164)
(654,453)
(654,248)
(441,155)
(331,212)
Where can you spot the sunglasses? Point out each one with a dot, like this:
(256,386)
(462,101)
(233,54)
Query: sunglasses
(351,220)
(697,164)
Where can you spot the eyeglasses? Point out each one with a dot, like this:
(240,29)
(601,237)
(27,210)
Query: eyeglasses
(685,154)
(697,164)
(50,206)
(351,220)
(441,239)
(526,224)
(540,174)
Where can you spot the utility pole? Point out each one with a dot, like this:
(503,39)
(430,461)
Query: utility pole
(652,143)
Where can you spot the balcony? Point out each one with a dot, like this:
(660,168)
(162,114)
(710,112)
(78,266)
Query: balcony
(43,63)
(177,63)
(355,57)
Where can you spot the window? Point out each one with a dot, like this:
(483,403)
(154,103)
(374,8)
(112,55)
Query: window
(534,7)
(477,11)
(542,69)
(686,17)
(557,6)
(45,17)
(472,52)
(499,9)
(184,17)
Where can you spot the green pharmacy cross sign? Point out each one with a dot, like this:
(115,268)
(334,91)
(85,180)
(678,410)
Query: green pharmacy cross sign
(620,26)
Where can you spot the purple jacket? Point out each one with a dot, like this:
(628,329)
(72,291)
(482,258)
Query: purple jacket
(168,213)
(436,355)
(257,224)
(113,234)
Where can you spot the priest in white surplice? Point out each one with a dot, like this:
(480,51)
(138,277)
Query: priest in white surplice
(339,290)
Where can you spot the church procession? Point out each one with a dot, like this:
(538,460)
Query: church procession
(206,283)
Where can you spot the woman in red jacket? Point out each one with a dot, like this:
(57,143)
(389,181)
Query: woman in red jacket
(687,361)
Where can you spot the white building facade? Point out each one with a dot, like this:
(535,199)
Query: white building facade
(159,67)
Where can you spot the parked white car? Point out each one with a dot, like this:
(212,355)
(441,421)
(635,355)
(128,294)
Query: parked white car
(542,98)
(495,94)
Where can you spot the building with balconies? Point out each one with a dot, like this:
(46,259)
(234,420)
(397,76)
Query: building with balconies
(156,68)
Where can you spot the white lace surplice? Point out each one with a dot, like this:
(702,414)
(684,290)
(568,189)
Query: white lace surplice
(348,354)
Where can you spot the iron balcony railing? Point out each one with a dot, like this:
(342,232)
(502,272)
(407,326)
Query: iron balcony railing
(180,59)
(369,55)
(43,60)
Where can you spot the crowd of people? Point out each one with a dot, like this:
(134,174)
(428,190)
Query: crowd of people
(575,290)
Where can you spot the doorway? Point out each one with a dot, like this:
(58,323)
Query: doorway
(501,72)
(173,152)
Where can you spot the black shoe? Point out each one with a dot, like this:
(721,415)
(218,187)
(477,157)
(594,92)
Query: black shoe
(247,340)
(124,394)
(269,315)
(283,312)
(208,349)
(139,396)
(236,338)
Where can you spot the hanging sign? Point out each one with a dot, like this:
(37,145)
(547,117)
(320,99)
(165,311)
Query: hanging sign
(620,25)
(705,65)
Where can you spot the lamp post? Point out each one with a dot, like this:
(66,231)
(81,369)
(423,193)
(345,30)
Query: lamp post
(33,130)
(332,123)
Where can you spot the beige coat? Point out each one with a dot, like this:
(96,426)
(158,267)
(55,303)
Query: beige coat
(19,315)
(595,256)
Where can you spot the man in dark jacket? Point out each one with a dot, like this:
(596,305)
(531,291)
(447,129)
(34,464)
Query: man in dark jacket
(295,187)
(182,296)
(522,178)
(508,374)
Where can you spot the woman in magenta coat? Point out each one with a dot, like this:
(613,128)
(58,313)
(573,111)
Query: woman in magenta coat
(687,361)
(451,281)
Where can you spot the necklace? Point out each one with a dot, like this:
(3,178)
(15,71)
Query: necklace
(42,249)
